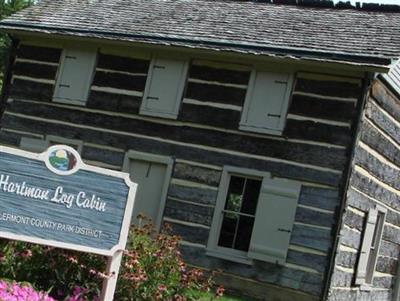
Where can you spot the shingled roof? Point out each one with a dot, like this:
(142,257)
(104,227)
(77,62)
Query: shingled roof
(344,35)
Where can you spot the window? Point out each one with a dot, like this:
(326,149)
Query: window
(75,76)
(267,102)
(254,216)
(370,246)
(164,88)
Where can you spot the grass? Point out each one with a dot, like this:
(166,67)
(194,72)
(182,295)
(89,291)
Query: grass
(210,297)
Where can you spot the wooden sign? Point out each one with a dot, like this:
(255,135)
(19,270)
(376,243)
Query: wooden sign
(55,199)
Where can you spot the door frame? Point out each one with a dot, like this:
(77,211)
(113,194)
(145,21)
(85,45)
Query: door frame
(165,160)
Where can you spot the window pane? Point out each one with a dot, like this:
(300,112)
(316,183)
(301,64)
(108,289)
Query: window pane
(235,194)
(244,231)
(228,230)
(250,196)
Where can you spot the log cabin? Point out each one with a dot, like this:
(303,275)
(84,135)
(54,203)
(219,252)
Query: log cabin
(266,134)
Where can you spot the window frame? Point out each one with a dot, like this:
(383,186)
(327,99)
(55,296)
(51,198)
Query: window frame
(89,77)
(212,246)
(160,159)
(244,125)
(180,89)
(375,224)
(65,141)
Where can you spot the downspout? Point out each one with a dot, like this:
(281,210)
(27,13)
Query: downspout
(12,51)
(346,182)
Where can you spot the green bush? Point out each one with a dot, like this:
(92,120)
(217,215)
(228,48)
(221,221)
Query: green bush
(152,269)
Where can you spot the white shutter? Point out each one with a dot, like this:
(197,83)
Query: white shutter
(33,145)
(362,267)
(267,102)
(164,88)
(273,224)
(75,75)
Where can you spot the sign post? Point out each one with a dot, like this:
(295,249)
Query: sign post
(54,199)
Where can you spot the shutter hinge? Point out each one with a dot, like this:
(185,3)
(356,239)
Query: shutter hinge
(70,57)
(284,230)
(152,98)
(274,115)
(159,67)
(64,86)
(280,82)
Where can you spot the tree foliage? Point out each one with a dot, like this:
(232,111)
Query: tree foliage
(7,8)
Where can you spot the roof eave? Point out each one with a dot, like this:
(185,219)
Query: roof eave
(366,63)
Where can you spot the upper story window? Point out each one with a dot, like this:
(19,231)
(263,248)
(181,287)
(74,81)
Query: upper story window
(253,217)
(75,76)
(267,102)
(164,87)
(370,246)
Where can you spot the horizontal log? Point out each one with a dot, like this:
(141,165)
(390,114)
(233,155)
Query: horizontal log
(383,122)
(375,191)
(346,259)
(113,102)
(188,233)
(321,198)
(386,99)
(260,271)
(8,138)
(389,249)
(44,54)
(312,217)
(322,108)
(215,93)
(312,261)
(315,131)
(278,169)
(383,282)
(329,88)
(386,265)
(302,153)
(356,295)
(379,143)
(35,70)
(119,63)
(350,238)
(120,81)
(103,155)
(188,212)
(314,238)
(197,174)
(24,89)
(391,234)
(380,170)
(353,220)
(219,75)
(341,278)
(193,194)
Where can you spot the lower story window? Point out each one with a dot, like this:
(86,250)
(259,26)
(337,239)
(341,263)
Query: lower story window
(239,213)
(253,217)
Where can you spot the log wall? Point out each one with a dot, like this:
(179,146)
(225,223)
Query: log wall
(374,180)
(313,149)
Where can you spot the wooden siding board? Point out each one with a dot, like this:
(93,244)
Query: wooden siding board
(386,99)
(215,93)
(353,220)
(44,54)
(120,81)
(312,217)
(346,259)
(25,89)
(264,272)
(350,238)
(314,238)
(188,233)
(168,149)
(380,170)
(387,265)
(103,155)
(322,108)
(389,249)
(383,122)
(321,198)
(219,75)
(119,63)
(302,153)
(329,88)
(193,194)
(188,212)
(113,102)
(35,70)
(197,174)
(379,143)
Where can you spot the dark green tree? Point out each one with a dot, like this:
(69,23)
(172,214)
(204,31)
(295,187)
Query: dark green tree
(7,8)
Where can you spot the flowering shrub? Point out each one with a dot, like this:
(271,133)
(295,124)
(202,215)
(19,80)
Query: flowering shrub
(17,292)
(152,269)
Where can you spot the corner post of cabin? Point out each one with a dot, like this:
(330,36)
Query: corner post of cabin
(110,283)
